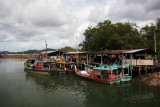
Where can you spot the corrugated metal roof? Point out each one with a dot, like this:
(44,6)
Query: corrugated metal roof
(134,51)
(117,51)
(69,53)
(43,52)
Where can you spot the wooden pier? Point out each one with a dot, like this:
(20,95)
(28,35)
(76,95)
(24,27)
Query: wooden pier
(138,59)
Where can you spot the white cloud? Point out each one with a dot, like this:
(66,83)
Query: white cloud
(26,24)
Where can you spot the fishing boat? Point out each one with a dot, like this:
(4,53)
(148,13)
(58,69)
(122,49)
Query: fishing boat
(61,69)
(41,66)
(104,74)
(35,66)
(124,73)
(70,67)
(64,67)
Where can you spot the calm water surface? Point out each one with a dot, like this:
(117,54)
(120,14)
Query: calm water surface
(21,89)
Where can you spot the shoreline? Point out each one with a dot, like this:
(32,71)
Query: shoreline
(18,56)
(151,79)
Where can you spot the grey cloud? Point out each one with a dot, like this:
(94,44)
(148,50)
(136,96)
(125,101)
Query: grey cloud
(135,1)
(97,14)
(152,5)
(61,20)
(135,10)
(128,10)
(4,10)
(6,37)
(29,19)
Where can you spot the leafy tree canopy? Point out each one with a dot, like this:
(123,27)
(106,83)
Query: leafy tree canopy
(68,49)
(107,35)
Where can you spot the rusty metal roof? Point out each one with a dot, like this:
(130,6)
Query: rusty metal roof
(117,51)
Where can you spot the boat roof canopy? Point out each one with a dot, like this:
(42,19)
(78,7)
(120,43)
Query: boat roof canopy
(105,67)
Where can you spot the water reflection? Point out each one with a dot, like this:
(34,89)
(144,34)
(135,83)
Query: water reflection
(24,89)
(94,94)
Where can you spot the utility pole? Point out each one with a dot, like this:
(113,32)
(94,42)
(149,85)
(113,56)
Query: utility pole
(155,45)
(76,51)
(46,50)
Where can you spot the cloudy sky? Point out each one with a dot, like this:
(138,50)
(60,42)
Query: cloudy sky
(26,24)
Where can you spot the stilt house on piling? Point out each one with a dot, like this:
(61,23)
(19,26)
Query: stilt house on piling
(138,59)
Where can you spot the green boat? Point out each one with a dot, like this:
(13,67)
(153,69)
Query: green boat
(124,75)
(104,74)
(40,67)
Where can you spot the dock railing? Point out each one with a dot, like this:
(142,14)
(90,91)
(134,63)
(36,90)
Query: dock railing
(138,62)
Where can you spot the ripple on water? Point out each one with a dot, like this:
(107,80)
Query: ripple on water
(22,89)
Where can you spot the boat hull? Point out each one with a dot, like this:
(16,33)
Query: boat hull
(70,71)
(105,81)
(125,79)
(61,72)
(41,72)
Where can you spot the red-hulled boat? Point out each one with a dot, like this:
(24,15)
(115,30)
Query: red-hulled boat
(104,74)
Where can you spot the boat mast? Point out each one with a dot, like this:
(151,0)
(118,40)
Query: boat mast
(46,50)
(76,51)
(155,44)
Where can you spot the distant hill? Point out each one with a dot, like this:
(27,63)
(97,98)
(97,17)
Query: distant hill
(32,51)
(4,52)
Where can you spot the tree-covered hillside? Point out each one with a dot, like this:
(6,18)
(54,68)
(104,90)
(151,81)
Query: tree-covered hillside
(107,35)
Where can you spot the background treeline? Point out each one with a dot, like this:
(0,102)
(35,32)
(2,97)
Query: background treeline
(107,35)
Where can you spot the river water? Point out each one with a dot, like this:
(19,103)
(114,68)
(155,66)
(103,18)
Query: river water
(22,89)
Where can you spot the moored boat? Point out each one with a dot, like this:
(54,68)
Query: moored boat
(61,69)
(124,74)
(70,67)
(40,67)
(104,74)
(64,67)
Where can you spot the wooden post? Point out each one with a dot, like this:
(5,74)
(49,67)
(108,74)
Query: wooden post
(71,59)
(80,60)
(146,65)
(128,71)
(87,59)
(60,66)
(139,67)
(146,69)
(152,68)
(122,59)
(77,59)
(123,72)
(64,66)
(101,59)
(139,70)
(131,65)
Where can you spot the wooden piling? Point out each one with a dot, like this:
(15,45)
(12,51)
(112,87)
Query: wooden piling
(131,65)
(139,70)
(146,67)
(87,59)
(101,58)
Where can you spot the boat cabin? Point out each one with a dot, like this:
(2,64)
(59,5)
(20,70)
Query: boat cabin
(103,72)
